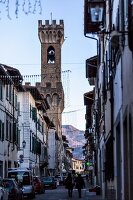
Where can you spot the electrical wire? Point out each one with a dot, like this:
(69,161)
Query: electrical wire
(71,63)
(73,111)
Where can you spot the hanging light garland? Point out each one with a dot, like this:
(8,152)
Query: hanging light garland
(28,6)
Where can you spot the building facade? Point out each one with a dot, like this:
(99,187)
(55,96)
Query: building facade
(77,165)
(110,116)
(33,130)
(10,85)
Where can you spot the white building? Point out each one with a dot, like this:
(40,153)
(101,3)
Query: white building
(112,72)
(33,130)
(77,165)
(10,84)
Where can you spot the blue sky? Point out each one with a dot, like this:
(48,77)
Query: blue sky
(20,48)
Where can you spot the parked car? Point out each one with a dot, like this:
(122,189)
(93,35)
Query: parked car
(38,185)
(59,179)
(25,178)
(49,182)
(13,189)
(3,193)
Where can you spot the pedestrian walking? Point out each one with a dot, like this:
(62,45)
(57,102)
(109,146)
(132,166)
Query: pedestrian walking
(79,184)
(69,184)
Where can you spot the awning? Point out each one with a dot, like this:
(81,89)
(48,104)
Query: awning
(34,92)
(91,67)
(89,98)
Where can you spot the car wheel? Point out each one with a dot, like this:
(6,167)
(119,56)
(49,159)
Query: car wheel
(17,197)
(41,191)
(22,197)
(33,195)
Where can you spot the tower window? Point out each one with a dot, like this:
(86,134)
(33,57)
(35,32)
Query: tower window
(51,55)
(55,99)
(49,100)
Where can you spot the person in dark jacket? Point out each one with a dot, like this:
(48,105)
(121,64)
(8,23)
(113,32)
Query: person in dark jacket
(69,184)
(79,184)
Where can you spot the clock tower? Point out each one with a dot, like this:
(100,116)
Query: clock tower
(51,36)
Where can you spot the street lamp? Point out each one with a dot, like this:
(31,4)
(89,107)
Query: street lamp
(94,12)
(95,20)
(90,130)
(24,144)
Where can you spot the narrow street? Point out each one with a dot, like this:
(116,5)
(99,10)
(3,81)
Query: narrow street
(61,194)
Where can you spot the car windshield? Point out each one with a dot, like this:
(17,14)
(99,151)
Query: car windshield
(20,176)
(47,178)
(8,183)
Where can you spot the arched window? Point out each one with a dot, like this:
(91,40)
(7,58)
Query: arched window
(55,99)
(51,55)
(48,97)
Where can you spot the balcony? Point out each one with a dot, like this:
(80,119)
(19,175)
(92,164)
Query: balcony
(91,69)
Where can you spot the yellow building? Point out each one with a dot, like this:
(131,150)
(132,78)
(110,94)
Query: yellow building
(77,165)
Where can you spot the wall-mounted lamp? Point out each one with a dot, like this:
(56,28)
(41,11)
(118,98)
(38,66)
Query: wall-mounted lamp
(95,21)
(24,144)
(94,12)
(90,130)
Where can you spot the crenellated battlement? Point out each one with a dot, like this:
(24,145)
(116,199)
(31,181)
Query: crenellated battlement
(51,35)
(51,32)
(53,23)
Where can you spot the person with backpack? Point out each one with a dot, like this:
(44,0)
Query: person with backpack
(69,184)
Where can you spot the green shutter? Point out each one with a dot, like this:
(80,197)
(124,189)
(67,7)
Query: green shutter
(32,144)
(34,114)
(2,131)
(30,111)
(14,132)
(1,91)
(30,141)
(7,129)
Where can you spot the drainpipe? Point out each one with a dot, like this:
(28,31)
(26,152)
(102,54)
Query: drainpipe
(93,39)
(97,53)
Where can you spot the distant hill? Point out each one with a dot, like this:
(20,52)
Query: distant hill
(76,139)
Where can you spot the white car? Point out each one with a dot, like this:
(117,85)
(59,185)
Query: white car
(3,194)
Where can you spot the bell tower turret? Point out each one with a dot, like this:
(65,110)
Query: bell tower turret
(52,37)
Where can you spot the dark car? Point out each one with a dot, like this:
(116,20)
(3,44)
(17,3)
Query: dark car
(38,185)
(59,179)
(13,189)
(49,182)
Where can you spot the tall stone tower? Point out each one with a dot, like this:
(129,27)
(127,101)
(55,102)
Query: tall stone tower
(52,37)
